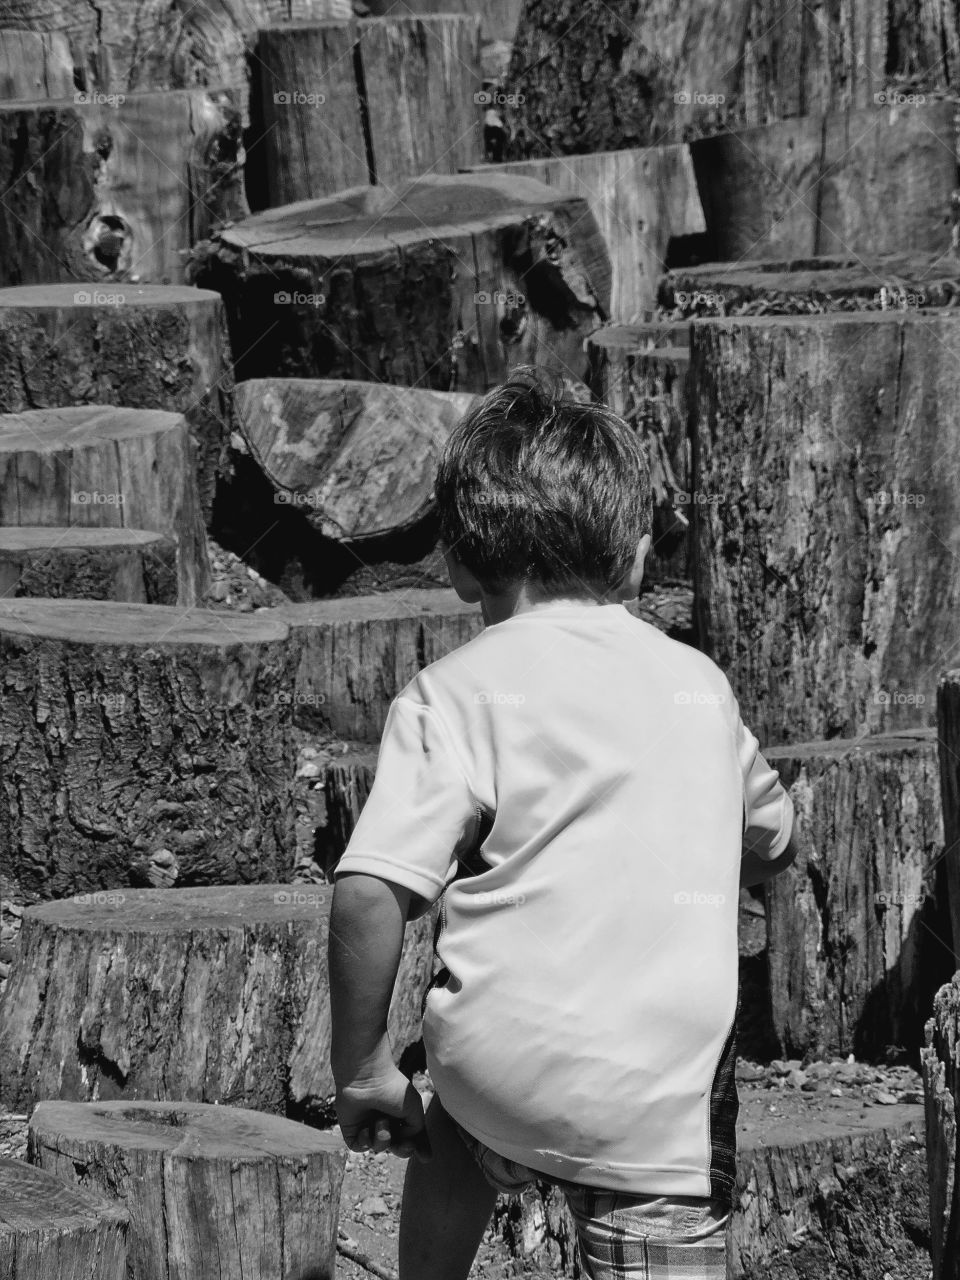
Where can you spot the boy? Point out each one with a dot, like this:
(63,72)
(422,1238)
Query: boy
(582,791)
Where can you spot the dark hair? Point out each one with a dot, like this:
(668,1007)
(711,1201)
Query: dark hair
(534,488)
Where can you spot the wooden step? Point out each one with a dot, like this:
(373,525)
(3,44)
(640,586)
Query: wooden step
(49,1229)
(827,517)
(506,270)
(641,198)
(109,186)
(132,565)
(211,1191)
(139,346)
(163,743)
(184,965)
(97,465)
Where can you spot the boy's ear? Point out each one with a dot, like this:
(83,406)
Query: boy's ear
(461,579)
(629,587)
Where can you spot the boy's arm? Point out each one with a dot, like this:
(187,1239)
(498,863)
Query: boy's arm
(769,842)
(757,870)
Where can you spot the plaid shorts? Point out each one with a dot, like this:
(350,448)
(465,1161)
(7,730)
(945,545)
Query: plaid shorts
(620,1235)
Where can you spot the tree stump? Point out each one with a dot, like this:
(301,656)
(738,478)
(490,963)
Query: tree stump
(381,100)
(347,780)
(854,927)
(826,520)
(358,458)
(132,565)
(34,64)
(870,182)
(641,199)
(447,284)
(941,1093)
(49,1229)
(136,736)
(151,347)
(211,1191)
(898,282)
(108,187)
(636,371)
(200,995)
(94,465)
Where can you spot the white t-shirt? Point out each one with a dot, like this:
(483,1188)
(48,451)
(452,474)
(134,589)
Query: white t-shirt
(585,1024)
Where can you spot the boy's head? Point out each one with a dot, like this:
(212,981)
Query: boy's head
(537,492)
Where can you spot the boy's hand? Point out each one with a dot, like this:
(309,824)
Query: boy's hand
(383,1113)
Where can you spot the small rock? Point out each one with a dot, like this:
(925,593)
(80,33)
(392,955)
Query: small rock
(836,1093)
(796,1079)
(780,1068)
(163,858)
(748,1072)
(309,769)
(374,1206)
(885,1098)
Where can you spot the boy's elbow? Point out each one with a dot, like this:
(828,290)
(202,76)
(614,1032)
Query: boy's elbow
(363,899)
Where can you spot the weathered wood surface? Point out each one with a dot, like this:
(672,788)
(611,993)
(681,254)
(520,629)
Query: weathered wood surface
(498,18)
(141,346)
(939,1060)
(948,735)
(50,1230)
(96,465)
(210,1191)
(126,994)
(637,73)
(34,64)
(446,284)
(896,282)
(640,199)
(359,459)
(107,187)
(347,780)
(140,736)
(132,565)
(640,371)
(873,181)
(854,925)
(825,519)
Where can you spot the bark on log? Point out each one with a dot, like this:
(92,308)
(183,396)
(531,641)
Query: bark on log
(640,198)
(95,465)
(358,458)
(897,282)
(133,734)
(447,285)
(636,373)
(874,181)
(948,734)
(853,927)
(826,519)
(640,73)
(126,994)
(210,1191)
(153,347)
(941,1094)
(347,780)
(132,565)
(49,1229)
(107,187)
(34,64)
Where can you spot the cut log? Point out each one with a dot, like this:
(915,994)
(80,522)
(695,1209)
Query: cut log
(635,371)
(826,519)
(853,927)
(135,736)
(94,465)
(948,734)
(358,458)
(639,73)
(132,565)
(897,282)
(447,284)
(201,995)
(640,198)
(49,1229)
(108,187)
(941,1094)
(874,181)
(498,18)
(211,1191)
(347,780)
(34,64)
(142,346)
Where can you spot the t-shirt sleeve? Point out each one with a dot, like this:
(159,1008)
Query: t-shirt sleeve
(421,814)
(767,807)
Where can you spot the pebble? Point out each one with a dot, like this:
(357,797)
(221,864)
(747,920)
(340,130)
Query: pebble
(374,1206)
(884,1098)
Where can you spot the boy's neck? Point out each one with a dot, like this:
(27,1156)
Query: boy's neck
(497,608)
